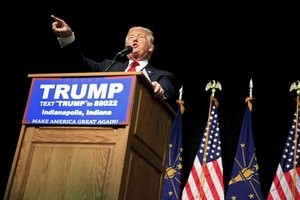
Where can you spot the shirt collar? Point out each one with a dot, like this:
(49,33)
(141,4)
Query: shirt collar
(142,63)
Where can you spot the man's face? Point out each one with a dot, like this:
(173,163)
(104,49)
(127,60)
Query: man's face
(140,44)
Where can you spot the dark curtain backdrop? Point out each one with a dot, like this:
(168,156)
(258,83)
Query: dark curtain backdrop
(229,45)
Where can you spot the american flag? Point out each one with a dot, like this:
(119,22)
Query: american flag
(205,180)
(286,183)
(244,182)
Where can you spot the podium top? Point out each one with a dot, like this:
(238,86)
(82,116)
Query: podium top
(85,74)
(140,75)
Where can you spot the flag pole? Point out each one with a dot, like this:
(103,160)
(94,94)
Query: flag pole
(213,86)
(173,173)
(295,86)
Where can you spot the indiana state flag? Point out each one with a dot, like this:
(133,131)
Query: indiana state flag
(172,179)
(244,182)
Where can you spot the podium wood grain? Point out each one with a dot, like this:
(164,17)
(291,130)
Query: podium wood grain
(95,162)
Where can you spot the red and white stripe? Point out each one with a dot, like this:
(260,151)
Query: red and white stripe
(205,182)
(285,186)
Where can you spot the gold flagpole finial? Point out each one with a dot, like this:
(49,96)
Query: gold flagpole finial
(250,95)
(213,86)
(295,86)
(250,88)
(180,93)
(180,101)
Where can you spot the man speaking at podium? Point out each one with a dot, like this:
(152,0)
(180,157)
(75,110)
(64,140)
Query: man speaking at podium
(139,46)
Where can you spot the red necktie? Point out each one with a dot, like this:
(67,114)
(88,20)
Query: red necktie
(133,65)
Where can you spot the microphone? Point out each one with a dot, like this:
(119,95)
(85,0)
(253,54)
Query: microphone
(127,50)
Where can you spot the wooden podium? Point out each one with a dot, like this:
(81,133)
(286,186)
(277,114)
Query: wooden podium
(95,162)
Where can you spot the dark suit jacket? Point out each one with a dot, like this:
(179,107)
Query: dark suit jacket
(164,78)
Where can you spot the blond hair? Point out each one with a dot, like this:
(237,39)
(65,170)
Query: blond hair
(147,31)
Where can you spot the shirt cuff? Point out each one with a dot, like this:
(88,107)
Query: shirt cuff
(65,41)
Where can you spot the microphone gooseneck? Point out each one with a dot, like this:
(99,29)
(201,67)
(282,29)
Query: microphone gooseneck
(127,50)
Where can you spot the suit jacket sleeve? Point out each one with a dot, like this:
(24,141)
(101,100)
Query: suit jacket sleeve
(73,54)
(168,82)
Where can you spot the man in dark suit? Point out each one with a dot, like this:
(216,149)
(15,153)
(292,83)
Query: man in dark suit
(140,44)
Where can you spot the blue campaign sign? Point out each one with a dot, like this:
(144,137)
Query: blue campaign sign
(80,101)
